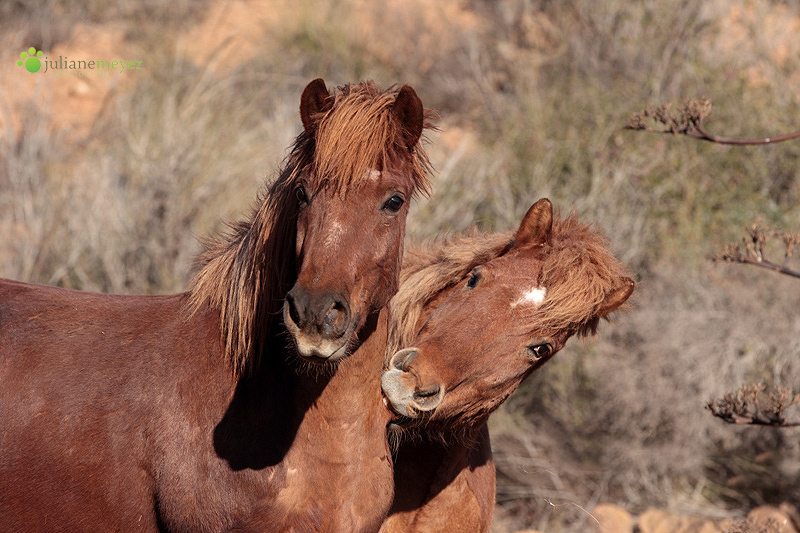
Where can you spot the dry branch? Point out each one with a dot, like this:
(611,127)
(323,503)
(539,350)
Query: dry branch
(688,120)
(751,250)
(743,407)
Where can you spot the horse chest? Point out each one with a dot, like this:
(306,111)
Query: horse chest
(334,475)
(341,482)
(331,498)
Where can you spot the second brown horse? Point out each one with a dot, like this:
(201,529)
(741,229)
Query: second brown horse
(475,317)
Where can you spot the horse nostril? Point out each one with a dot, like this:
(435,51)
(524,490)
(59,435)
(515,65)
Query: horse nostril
(294,313)
(335,321)
(428,399)
(402,359)
(430,392)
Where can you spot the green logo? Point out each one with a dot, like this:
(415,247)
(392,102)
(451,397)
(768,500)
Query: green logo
(31,60)
(63,66)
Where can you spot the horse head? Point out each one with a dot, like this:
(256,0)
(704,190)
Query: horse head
(352,194)
(478,339)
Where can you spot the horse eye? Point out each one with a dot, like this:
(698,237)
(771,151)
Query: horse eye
(473,279)
(300,193)
(541,350)
(393,204)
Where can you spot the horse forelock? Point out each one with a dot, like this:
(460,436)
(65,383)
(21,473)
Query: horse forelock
(356,135)
(579,271)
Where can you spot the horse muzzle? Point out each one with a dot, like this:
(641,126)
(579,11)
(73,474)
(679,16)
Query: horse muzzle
(403,388)
(321,325)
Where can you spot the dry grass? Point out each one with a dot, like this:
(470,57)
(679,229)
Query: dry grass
(534,97)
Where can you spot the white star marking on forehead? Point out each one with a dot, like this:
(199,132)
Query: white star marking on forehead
(533,296)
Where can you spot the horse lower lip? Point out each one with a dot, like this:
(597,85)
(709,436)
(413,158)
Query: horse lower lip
(318,350)
(318,358)
(395,415)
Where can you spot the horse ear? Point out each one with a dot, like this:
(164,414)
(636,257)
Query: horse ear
(408,110)
(617,296)
(537,224)
(315,100)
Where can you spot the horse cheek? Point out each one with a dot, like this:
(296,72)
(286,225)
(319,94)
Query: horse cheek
(300,236)
(390,264)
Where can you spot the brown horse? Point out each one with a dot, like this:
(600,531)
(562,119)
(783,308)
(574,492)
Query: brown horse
(192,412)
(482,313)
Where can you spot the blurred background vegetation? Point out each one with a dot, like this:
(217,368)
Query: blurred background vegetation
(107,183)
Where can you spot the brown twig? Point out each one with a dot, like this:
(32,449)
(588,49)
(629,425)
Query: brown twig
(742,407)
(688,120)
(751,250)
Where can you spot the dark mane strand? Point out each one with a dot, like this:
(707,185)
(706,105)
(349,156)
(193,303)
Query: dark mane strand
(245,275)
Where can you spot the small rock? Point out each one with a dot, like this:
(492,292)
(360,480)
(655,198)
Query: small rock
(612,519)
(771,519)
(660,521)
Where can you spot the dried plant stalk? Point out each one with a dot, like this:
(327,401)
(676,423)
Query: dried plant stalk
(688,120)
(742,406)
(751,250)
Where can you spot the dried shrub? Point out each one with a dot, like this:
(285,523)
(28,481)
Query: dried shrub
(744,406)
(751,250)
(688,120)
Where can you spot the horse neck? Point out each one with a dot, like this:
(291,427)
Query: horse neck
(281,413)
(352,393)
(303,405)
(432,478)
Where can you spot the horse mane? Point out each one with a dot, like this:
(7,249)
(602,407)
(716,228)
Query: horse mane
(360,133)
(578,271)
(246,272)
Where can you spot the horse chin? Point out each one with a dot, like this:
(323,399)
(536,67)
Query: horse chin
(321,350)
